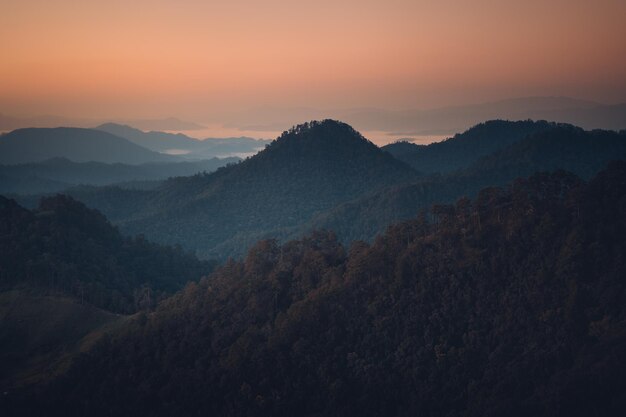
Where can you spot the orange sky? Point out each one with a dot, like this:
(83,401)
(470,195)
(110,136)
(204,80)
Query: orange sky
(202,60)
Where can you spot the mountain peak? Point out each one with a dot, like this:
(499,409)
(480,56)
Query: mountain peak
(322,126)
(323,136)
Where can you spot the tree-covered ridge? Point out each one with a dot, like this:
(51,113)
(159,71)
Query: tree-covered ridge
(510,304)
(64,247)
(464,149)
(565,147)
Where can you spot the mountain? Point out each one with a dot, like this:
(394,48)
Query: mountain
(77,144)
(168,123)
(465,148)
(59,174)
(156,141)
(62,247)
(310,168)
(185,146)
(561,147)
(511,304)
(8,123)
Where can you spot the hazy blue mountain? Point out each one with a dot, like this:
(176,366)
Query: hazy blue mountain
(168,123)
(185,146)
(8,123)
(77,144)
(60,173)
(156,141)
(463,149)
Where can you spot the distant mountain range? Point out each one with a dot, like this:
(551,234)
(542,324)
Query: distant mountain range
(325,175)
(8,123)
(447,120)
(185,146)
(44,160)
(411,123)
(77,144)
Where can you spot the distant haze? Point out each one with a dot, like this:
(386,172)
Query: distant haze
(232,63)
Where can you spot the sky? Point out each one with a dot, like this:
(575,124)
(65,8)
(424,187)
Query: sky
(218,62)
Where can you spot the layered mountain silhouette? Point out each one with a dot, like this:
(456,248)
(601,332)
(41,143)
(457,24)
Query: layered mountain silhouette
(185,146)
(509,304)
(77,144)
(156,141)
(308,169)
(458,279)
(324,175)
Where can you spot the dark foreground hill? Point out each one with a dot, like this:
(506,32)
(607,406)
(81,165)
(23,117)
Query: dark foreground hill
(79,145)
(512,304)
(62,247)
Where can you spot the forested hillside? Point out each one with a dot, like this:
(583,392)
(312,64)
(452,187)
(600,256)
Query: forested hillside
(561,147)
(62,247)
(184,146)
(464,149)
(509,304)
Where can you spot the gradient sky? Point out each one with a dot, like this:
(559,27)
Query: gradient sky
(205,60)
